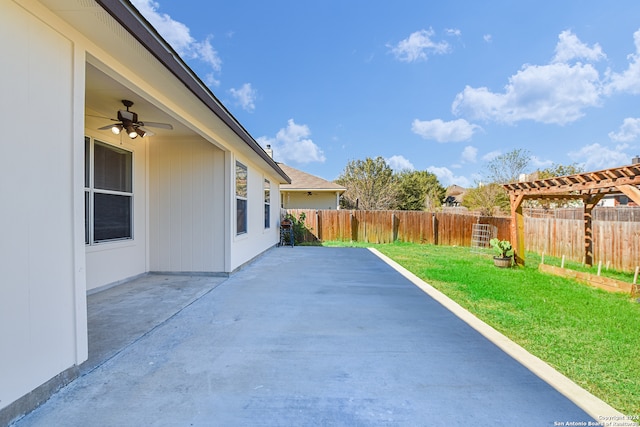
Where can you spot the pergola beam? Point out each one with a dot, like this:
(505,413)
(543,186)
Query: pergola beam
(590,187)
(583,182)
(631,192)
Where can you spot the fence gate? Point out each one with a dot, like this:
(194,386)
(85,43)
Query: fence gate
(481,234)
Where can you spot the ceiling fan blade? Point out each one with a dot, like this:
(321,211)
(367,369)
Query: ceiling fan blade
(146,131)
(101,117)
(107,126)
(156,125)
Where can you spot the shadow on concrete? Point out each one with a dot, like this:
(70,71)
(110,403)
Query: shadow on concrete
(121,315)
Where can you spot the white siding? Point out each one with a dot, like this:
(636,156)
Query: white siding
(317,200)
(37,248)
(183,190)
(257,239)
(187,180)
(112,262)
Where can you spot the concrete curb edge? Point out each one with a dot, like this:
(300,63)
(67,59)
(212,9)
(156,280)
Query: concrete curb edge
(592,405)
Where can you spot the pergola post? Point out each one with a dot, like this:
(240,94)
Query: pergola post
(517,228)
(588,186)
(590,201)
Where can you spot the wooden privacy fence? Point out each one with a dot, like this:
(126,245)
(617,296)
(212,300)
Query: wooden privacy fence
(616,243)
(388,226)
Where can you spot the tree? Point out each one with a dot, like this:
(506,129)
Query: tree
(419,190)
(370,185)
(501,170)
(486,199)
(508,167)
(557,169)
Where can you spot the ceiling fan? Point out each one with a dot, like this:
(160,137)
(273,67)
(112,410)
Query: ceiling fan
(128,121)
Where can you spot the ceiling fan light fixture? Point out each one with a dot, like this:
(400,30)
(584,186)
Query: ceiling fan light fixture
(131,131)
(129,123)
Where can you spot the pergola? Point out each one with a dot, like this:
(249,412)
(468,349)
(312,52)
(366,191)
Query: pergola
(590,187)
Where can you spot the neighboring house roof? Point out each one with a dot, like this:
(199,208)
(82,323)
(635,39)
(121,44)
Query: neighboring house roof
(455,190)
(302,181)
(133,22)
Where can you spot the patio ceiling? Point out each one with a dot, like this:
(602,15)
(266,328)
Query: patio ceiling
(103,98)
(132,61)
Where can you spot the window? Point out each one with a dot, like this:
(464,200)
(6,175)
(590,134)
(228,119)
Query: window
(267,204)
(108,192)
(241,198)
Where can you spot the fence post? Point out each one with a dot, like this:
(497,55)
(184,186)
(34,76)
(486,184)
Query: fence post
(354,227)
(394,228)
(434,225)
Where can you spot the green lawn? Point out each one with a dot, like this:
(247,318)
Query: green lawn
(591,336)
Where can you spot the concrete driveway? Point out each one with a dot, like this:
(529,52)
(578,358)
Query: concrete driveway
(308,336)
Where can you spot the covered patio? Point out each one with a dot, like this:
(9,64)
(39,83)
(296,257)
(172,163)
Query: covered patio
(120,316)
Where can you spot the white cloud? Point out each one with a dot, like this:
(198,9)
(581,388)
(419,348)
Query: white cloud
(537,162)
(629,80)
(418,46)
(292,144)
(245,96)
(205,52)
(470,154)
(491,155)
(441,131)
(399,163)
(487,38)
(447,178)
(597,157)
(178,35)
(629,131)
(569,47)
(453,32)
(556,93)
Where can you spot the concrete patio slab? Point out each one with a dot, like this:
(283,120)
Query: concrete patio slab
(120,315)
(310,336)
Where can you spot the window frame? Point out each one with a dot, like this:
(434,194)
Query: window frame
(91,191)
(267,204)
(242,198)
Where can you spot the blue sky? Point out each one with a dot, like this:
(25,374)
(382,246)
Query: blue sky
(439,86)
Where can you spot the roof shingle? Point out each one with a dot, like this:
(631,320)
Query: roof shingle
(302,181)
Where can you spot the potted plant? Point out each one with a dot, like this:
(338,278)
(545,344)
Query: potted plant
(504,252)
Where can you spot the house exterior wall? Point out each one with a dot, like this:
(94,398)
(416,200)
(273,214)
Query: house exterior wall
(187,212)
(317,200)
(111,262)
(257,239)
(180,224)
(41,249)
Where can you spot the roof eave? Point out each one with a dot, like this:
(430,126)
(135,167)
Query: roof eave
(323,190)
(136,25)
